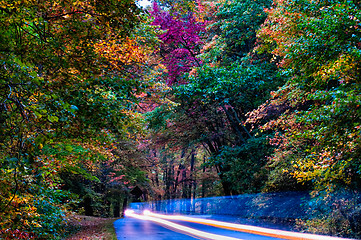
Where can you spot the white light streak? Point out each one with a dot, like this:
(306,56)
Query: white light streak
(245,228)
(192,231)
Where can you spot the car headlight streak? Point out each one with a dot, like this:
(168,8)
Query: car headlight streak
(179,227)
(160,218)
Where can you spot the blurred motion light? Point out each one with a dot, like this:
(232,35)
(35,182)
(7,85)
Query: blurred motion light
(178,227)
(128,212)
(245,228)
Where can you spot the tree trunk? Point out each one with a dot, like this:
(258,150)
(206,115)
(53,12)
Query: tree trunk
(116,209)
(88,207)
(226,185)
(125,204)
(191,180)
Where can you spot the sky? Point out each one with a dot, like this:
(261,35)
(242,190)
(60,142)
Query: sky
(144,3)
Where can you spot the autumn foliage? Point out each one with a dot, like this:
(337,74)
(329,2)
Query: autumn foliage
(102,102)
(181,41)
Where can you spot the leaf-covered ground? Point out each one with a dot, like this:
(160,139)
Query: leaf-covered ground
(93,228)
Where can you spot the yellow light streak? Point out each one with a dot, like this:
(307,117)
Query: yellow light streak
(245,228)
(192,231)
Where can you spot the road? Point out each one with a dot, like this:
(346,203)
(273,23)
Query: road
(135,229)
(155,226)
(132,228)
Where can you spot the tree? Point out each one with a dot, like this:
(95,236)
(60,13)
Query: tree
(322,91)
(57,99)
(317,47)
(216,102)
(180,41)
(234,26)
(213,100)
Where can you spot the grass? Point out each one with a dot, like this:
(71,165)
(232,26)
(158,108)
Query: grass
(92,228)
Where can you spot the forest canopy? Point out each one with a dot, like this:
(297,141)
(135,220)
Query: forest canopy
(104,102)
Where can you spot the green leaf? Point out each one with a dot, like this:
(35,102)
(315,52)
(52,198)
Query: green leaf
(69,148)
(53,118)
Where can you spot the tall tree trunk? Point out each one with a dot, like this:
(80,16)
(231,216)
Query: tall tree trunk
(226,185)
(176,182)
(191,180)
(203,180)
(203,205)
(125,204)
(185,185)
(116,208)
(88,206)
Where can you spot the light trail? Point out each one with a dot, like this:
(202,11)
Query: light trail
(245,228)
(192,231)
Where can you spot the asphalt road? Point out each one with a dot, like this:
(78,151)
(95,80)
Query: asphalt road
(130,228)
